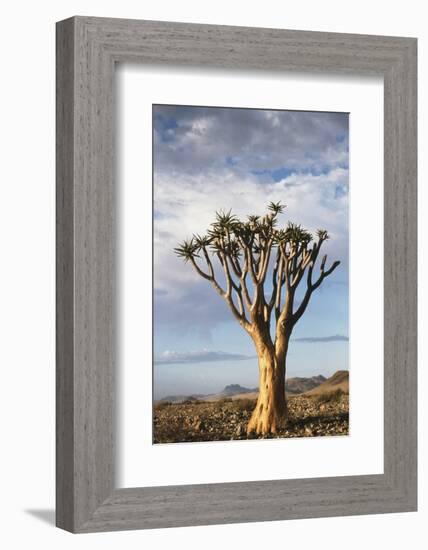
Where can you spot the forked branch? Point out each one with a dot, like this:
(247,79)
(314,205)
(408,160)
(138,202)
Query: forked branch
(246,247)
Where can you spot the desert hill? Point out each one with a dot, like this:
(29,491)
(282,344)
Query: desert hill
(231,391)
(293,386)
(181,398)
(299,384)
(338,381)
(234,389)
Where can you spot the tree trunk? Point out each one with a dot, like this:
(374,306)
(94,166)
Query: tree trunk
(270,414)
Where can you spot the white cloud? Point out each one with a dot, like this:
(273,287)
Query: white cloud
(323,339)
(204,356)
(212,159)
(191,140)
(187,204)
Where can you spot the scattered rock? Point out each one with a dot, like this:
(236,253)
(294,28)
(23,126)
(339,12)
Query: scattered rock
(240,430)
(198,424)
(211,421)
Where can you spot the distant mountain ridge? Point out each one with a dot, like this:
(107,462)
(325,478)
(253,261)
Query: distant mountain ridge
(233,389)
(293,386)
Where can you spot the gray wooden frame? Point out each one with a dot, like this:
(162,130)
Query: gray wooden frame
(87,50)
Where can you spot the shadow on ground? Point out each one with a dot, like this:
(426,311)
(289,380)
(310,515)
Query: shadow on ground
(43,514)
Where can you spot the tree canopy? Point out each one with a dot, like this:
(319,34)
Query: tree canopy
(247,251)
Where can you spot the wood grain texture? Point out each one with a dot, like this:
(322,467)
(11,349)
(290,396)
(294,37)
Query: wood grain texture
(87,49)
(64,276)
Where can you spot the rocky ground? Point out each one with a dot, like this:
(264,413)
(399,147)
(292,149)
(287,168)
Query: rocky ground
(309,416)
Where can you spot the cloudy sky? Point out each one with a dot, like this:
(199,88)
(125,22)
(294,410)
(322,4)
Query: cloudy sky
(207,159)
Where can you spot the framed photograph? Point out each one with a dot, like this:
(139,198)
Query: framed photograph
(256,264)
(236,274)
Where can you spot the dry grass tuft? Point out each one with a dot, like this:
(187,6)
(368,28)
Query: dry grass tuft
(329,397)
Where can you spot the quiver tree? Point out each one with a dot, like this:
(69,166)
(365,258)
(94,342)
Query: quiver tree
(261,268)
